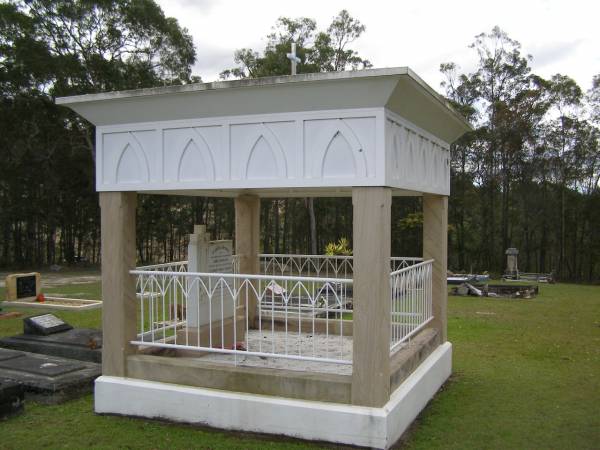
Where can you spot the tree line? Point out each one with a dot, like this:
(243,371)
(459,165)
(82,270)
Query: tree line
(526,177)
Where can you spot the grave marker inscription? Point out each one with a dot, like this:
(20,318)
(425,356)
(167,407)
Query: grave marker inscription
(26,286)
(44,324)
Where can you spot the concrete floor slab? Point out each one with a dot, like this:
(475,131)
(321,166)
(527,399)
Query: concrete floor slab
(297,344)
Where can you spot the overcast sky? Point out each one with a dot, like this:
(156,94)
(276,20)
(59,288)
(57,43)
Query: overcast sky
(562,36)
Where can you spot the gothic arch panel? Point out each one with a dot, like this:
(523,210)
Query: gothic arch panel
(132,166)
(342,156)
(195,164)
(262,162)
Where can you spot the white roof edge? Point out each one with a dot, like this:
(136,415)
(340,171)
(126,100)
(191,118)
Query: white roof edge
(451,111)
(246,82)
(269,81)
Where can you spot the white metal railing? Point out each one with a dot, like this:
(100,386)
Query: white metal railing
(320,265)
(251,315)
(400,262)
(176,266)
(235,263)
(411,302)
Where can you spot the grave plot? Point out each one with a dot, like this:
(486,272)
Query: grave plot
(47,379)
(47,334)
(23,290)
(497,290)
(51,360)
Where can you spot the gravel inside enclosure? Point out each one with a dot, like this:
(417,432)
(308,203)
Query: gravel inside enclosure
(304,344)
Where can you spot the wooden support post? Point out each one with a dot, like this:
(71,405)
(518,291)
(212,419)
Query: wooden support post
(435,246)
(372,311)
(247,241)
(118,286)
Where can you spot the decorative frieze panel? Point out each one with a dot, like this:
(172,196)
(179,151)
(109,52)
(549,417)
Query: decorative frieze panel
(340,148)
(415,159)
(334,149)
(264,151)
(128,157)
(193,155)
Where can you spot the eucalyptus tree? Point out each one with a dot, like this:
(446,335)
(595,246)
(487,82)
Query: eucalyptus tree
(320,51)
(505,102)
(563,146)
(593,99)
(48,49)
(461,93)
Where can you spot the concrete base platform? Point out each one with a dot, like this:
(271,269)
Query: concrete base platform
(312,420)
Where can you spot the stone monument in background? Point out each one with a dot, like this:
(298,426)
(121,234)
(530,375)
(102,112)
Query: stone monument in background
(207,256)
(512,269)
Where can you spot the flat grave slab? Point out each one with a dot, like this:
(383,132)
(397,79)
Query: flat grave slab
(9,354)
(42,334)
(83,344)
(48,379)
(39,366)
(12,398)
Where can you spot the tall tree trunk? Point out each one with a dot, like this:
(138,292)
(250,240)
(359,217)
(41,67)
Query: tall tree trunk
(285,226)
(276,225)
(561,257)
(313,225)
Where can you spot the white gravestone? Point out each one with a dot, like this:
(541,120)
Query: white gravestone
(209,301)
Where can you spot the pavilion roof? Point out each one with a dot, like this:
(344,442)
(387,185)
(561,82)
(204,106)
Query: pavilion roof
(398,89)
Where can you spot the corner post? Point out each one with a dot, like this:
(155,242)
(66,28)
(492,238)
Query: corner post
(371,295)
(118,286)
(247,241)
(435,246)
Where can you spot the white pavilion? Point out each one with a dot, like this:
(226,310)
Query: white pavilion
(339,349)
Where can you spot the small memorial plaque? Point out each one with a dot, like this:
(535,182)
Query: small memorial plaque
(219,256)
(45,324)
(26,286)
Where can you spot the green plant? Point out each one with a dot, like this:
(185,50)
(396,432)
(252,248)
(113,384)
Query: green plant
(341,248)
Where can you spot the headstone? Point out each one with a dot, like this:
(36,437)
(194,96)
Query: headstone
(44,325)
(23,286)
(511,262)
(207,256)
(47,379)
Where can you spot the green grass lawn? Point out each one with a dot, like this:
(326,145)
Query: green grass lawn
(526,375)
